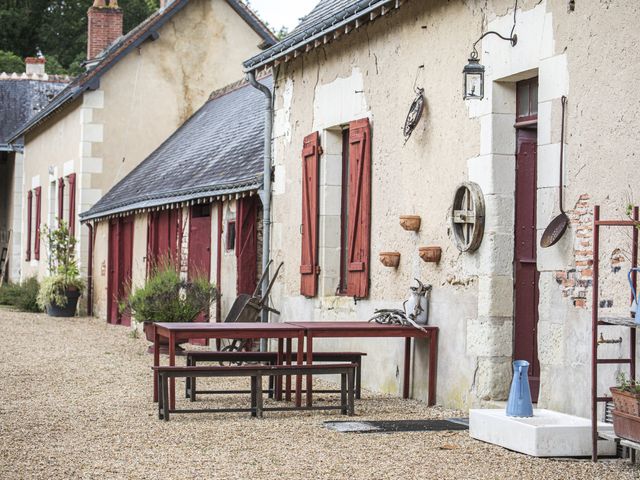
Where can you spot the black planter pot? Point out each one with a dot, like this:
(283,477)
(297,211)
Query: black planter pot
(69,310)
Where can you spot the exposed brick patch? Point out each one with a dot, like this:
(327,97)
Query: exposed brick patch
(576,282)
(104,27)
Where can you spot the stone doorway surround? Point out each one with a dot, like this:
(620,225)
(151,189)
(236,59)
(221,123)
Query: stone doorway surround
(490,335)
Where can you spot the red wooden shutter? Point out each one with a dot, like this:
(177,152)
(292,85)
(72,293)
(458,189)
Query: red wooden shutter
(309,268)
(60,197)
(72,204)
(359,228)
(36,247)
(246,245)
(29,223)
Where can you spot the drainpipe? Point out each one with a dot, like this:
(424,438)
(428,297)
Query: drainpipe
(90,273)
(265,193)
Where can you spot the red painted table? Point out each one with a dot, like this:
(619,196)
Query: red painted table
(370,329)
(187,331)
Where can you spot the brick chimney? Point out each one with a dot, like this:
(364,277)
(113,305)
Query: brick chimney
(35,65)
(105,26)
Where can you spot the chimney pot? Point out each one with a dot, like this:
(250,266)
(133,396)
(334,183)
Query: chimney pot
(35,65)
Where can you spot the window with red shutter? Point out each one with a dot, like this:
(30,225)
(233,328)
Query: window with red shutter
(309,268)
(72,204)
(36,246)
(359,209)
(29,223)
(60,198)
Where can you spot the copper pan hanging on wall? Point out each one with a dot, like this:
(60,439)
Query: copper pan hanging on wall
(554,231)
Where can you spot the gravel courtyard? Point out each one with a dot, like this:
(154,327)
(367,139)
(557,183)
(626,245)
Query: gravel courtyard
(75,403)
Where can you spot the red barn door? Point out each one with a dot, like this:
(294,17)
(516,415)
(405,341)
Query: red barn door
(199,262)
(120,259)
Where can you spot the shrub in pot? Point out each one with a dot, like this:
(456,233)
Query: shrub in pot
(626,416)
(59,291)
(165,297)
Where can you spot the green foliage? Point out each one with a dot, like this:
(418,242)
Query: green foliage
(57,27)
(10,62)
(8,293)
(627,385)
(23,296)
(53,290)
(63,266)
(165,297)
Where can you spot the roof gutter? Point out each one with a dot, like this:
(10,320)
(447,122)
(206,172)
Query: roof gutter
(265,193)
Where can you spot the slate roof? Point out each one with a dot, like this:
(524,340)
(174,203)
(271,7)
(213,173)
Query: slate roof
(329,17)
(90,80)
(218,151)
(21,97)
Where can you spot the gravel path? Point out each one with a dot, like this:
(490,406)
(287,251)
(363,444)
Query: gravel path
(75,403)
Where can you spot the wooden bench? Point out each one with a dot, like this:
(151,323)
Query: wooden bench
(270,358)
(257,372)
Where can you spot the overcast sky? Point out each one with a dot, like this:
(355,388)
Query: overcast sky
(281,13)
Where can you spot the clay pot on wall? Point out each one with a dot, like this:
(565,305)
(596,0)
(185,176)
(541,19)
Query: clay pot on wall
(390,259)
(430,254)
(410,222)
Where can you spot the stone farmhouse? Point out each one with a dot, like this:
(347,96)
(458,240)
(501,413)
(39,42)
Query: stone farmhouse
(138,88)
(344,173)
(22,95)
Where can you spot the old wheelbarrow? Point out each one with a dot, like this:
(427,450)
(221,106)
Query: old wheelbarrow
(248,308)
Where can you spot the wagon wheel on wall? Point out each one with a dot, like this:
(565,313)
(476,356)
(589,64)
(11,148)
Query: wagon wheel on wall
(467,217)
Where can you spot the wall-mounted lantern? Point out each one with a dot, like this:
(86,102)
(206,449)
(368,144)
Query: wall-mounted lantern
(473,86)
(473,79)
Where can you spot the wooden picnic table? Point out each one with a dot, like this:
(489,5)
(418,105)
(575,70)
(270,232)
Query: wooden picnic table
(370,329)
(174,331)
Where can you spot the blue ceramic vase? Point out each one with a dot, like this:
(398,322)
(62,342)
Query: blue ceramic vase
(519,403)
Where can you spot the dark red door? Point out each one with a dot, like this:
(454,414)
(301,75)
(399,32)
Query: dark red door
(199,263)
(526,272)
(162,242)
(120,258)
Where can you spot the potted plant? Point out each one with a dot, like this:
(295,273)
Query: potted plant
(626,416)
(59,292)
(165,297)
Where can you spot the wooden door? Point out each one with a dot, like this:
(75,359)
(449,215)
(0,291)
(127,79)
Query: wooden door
(199,260)
(526,272)
(120,265)
(162,239)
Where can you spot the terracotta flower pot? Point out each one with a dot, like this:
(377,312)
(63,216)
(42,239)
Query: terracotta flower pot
(626,426)
(390,259)
(430,254)
(626,402)
(147,327)
(410,222)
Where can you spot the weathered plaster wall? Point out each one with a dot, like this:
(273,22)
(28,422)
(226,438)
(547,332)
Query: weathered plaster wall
(587,55)
(371,74)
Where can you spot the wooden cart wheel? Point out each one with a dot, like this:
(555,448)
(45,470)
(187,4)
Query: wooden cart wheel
(467,217)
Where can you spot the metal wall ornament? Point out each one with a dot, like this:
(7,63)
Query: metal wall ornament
(467,217)
(414,115)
